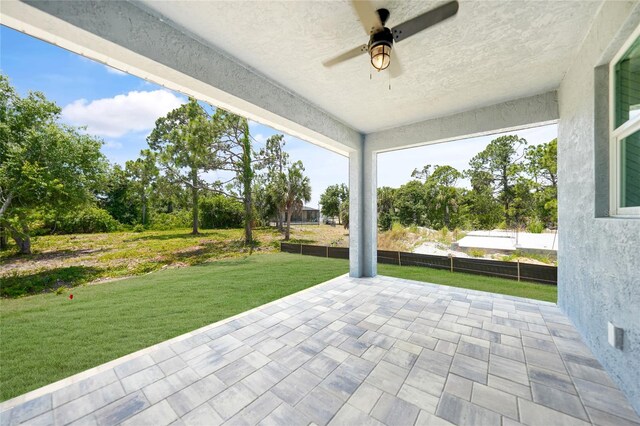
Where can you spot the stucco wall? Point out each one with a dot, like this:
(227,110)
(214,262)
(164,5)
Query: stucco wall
(599,257)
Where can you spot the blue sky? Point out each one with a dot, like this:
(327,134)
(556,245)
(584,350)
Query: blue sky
(122,109)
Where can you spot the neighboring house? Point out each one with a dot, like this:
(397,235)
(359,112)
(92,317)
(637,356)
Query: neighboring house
(306,215)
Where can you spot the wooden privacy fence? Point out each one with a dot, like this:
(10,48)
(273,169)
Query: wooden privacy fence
(494,268)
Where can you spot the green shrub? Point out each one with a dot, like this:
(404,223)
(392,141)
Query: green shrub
(444,236)
(219,211)
(88,220)
(385,220)
(138,228)
(397,227)
(458,234)
(397,232)
(174,220)
(535,226)
(514,256)
(476,253)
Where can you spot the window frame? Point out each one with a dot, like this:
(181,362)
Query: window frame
(615,137)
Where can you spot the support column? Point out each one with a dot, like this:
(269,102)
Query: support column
(363,214)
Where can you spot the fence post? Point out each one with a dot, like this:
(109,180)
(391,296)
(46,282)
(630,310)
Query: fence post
(518,270)
(399,262)
(300,248)
(327,251)
(451,259)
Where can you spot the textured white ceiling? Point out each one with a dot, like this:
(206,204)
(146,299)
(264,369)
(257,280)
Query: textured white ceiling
(491,51)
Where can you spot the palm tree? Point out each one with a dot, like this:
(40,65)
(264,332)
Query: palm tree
(296,190)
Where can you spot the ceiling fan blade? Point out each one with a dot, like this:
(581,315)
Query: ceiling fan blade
(395,67)
(346,56)
(369,18)
(424,21)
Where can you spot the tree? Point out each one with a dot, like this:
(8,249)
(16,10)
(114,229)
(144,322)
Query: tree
(191,143)
(442,195)
(421,174)
(264,206)
(142,174)
(484,210)
(344,214)
(331,200)
(386,209)
(43,165)
(542,165)
(219,211)
(233,145)
(118,196)
(500,161)
(296,191)
(411,204)
(522,209)
(184,143)
(442,198)
(169,196)
(275,160)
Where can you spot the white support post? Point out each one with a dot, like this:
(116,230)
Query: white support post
(356,183)
(363,216)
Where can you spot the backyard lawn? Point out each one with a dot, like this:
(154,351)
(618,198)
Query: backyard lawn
(68,260)
(529,290)
(48,337)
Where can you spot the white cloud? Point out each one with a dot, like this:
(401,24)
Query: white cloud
(113,144)
(114,71)
(260,138)
(114,117)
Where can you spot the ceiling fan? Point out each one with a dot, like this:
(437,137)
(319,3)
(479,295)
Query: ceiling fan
(381,38)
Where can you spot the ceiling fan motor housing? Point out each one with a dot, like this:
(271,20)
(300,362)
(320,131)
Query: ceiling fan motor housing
(381,37)
(383,14)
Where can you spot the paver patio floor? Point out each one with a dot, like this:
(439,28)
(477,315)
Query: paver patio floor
(351,352)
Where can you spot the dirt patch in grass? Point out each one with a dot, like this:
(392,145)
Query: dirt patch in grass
(70,260)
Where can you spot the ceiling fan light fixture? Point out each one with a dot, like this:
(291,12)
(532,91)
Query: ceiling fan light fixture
(382,39)
(380,56)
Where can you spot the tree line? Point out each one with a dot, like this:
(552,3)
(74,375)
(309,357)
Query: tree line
(54,178)
(512,185)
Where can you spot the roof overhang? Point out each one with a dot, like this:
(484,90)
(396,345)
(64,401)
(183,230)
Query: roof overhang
(123,36)
(435,100)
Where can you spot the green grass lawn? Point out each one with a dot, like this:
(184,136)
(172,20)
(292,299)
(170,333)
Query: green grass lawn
(530,290)
(48,337)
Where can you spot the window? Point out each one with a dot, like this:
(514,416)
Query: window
(625,136)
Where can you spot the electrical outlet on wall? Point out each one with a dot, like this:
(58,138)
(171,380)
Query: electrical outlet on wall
(615,336)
